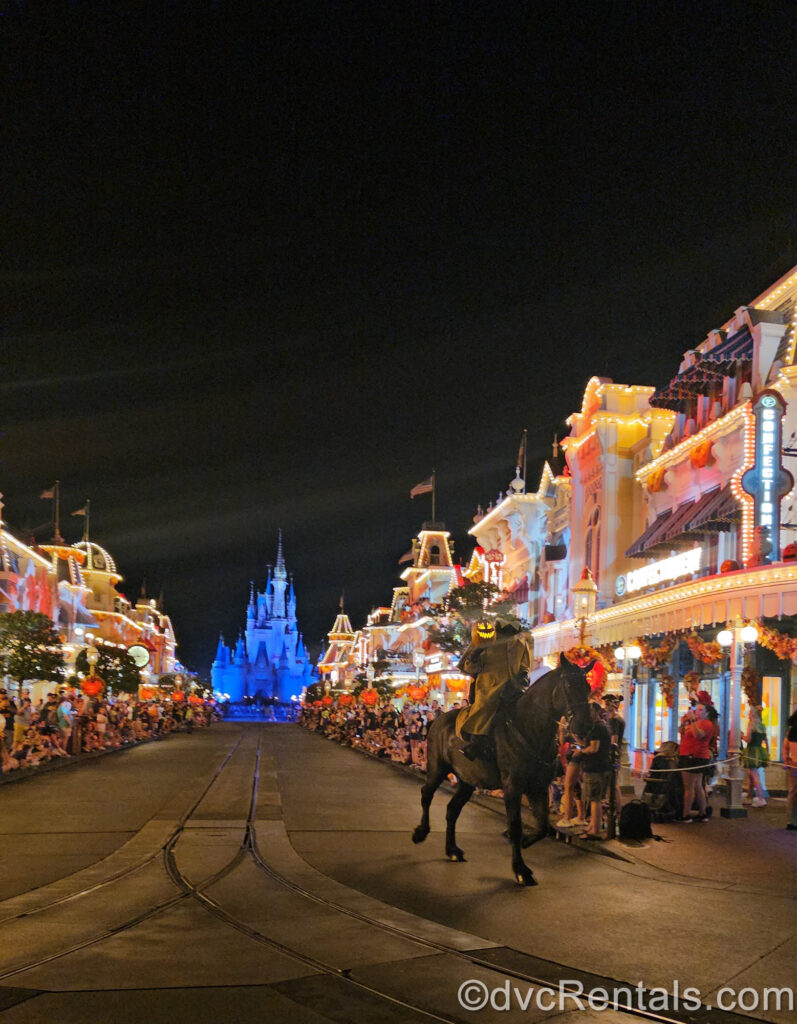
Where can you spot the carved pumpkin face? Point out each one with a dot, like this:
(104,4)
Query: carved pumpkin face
(483,632)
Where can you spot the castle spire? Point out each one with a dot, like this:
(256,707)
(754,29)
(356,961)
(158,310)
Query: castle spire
(279,568)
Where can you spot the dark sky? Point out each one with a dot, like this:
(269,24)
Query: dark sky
(269,269)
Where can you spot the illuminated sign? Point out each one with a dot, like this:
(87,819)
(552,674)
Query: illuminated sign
(491,563)
(767,481)
(685,564)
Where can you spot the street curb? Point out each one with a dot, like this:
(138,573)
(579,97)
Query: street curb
(62,764)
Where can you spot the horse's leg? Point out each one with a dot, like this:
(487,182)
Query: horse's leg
(538,802)
(522,872)
(462,794)
(434,776)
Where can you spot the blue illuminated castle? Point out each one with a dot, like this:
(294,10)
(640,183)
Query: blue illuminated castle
(270,659)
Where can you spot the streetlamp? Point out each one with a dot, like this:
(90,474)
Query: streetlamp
(418,660)
(585,596)
(370,675)
(735,639)
(628,656)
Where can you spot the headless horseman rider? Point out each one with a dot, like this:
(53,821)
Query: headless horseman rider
(494,658)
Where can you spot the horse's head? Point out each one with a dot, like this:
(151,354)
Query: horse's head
(570,696)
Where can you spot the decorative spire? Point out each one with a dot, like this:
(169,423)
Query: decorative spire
(279,568)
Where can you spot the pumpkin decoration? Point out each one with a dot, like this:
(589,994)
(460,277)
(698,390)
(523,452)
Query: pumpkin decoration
(416,693)
(483,632)
(369,697)
(731,565)
(345,699)
(701,456)
(92,686)
(326,700)
(655,482)
(457,684)
(178,695)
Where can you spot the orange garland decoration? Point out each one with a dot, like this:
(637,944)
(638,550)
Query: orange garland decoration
(667,684)
(708,653)
(655,657)
(785,647)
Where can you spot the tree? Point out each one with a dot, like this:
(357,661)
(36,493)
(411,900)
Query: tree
(33,648)
(464,606)
(114,666)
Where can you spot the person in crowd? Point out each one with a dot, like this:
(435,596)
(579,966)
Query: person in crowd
(65,720)
(755,756)
(694,757)
(615,723)
(790,764)
(22,719)
(595,757)
(572,794)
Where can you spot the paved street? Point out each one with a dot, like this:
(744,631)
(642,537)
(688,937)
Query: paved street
(251,872)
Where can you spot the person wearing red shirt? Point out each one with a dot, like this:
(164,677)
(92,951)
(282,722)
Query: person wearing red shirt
(694,757)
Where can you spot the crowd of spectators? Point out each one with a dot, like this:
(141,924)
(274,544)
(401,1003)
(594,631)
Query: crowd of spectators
(68,723)
(384,731)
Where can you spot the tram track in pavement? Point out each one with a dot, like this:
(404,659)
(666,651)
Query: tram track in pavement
(502,962)
(189,890)
(132,868)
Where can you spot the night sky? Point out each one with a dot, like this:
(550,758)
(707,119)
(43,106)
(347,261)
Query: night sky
(270,269)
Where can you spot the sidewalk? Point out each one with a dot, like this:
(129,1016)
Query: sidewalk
(752,854)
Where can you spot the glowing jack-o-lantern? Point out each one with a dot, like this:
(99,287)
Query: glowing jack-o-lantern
(483,632)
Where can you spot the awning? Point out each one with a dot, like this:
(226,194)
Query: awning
(519,593)
(648,538)
(695,380)
(739,347)
(674,527)
(714,512)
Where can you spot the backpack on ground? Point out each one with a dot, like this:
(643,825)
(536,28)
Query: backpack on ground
(635,820)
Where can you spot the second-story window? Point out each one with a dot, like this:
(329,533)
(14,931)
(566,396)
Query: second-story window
(592,543)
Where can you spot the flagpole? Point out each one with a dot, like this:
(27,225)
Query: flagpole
(525,456)
(434,494)
(57,496)
(86,524)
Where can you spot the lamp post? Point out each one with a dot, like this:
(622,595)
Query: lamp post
(734,639)
(585,596)
(418,660)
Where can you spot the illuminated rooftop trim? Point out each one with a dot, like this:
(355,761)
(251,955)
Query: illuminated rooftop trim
(718,426)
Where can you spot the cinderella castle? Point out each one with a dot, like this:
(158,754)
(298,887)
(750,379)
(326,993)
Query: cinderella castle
(270,658)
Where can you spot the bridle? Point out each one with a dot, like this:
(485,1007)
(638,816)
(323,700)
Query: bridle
(561,696)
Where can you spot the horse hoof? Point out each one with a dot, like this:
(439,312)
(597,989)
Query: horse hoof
(457,856)
(526,880)
(419,835)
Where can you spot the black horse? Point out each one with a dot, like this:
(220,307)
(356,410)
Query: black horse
(525,744)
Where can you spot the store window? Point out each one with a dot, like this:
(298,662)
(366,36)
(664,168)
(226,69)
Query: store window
(641,716)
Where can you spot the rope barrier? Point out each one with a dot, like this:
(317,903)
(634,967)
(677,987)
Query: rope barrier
(713,764)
